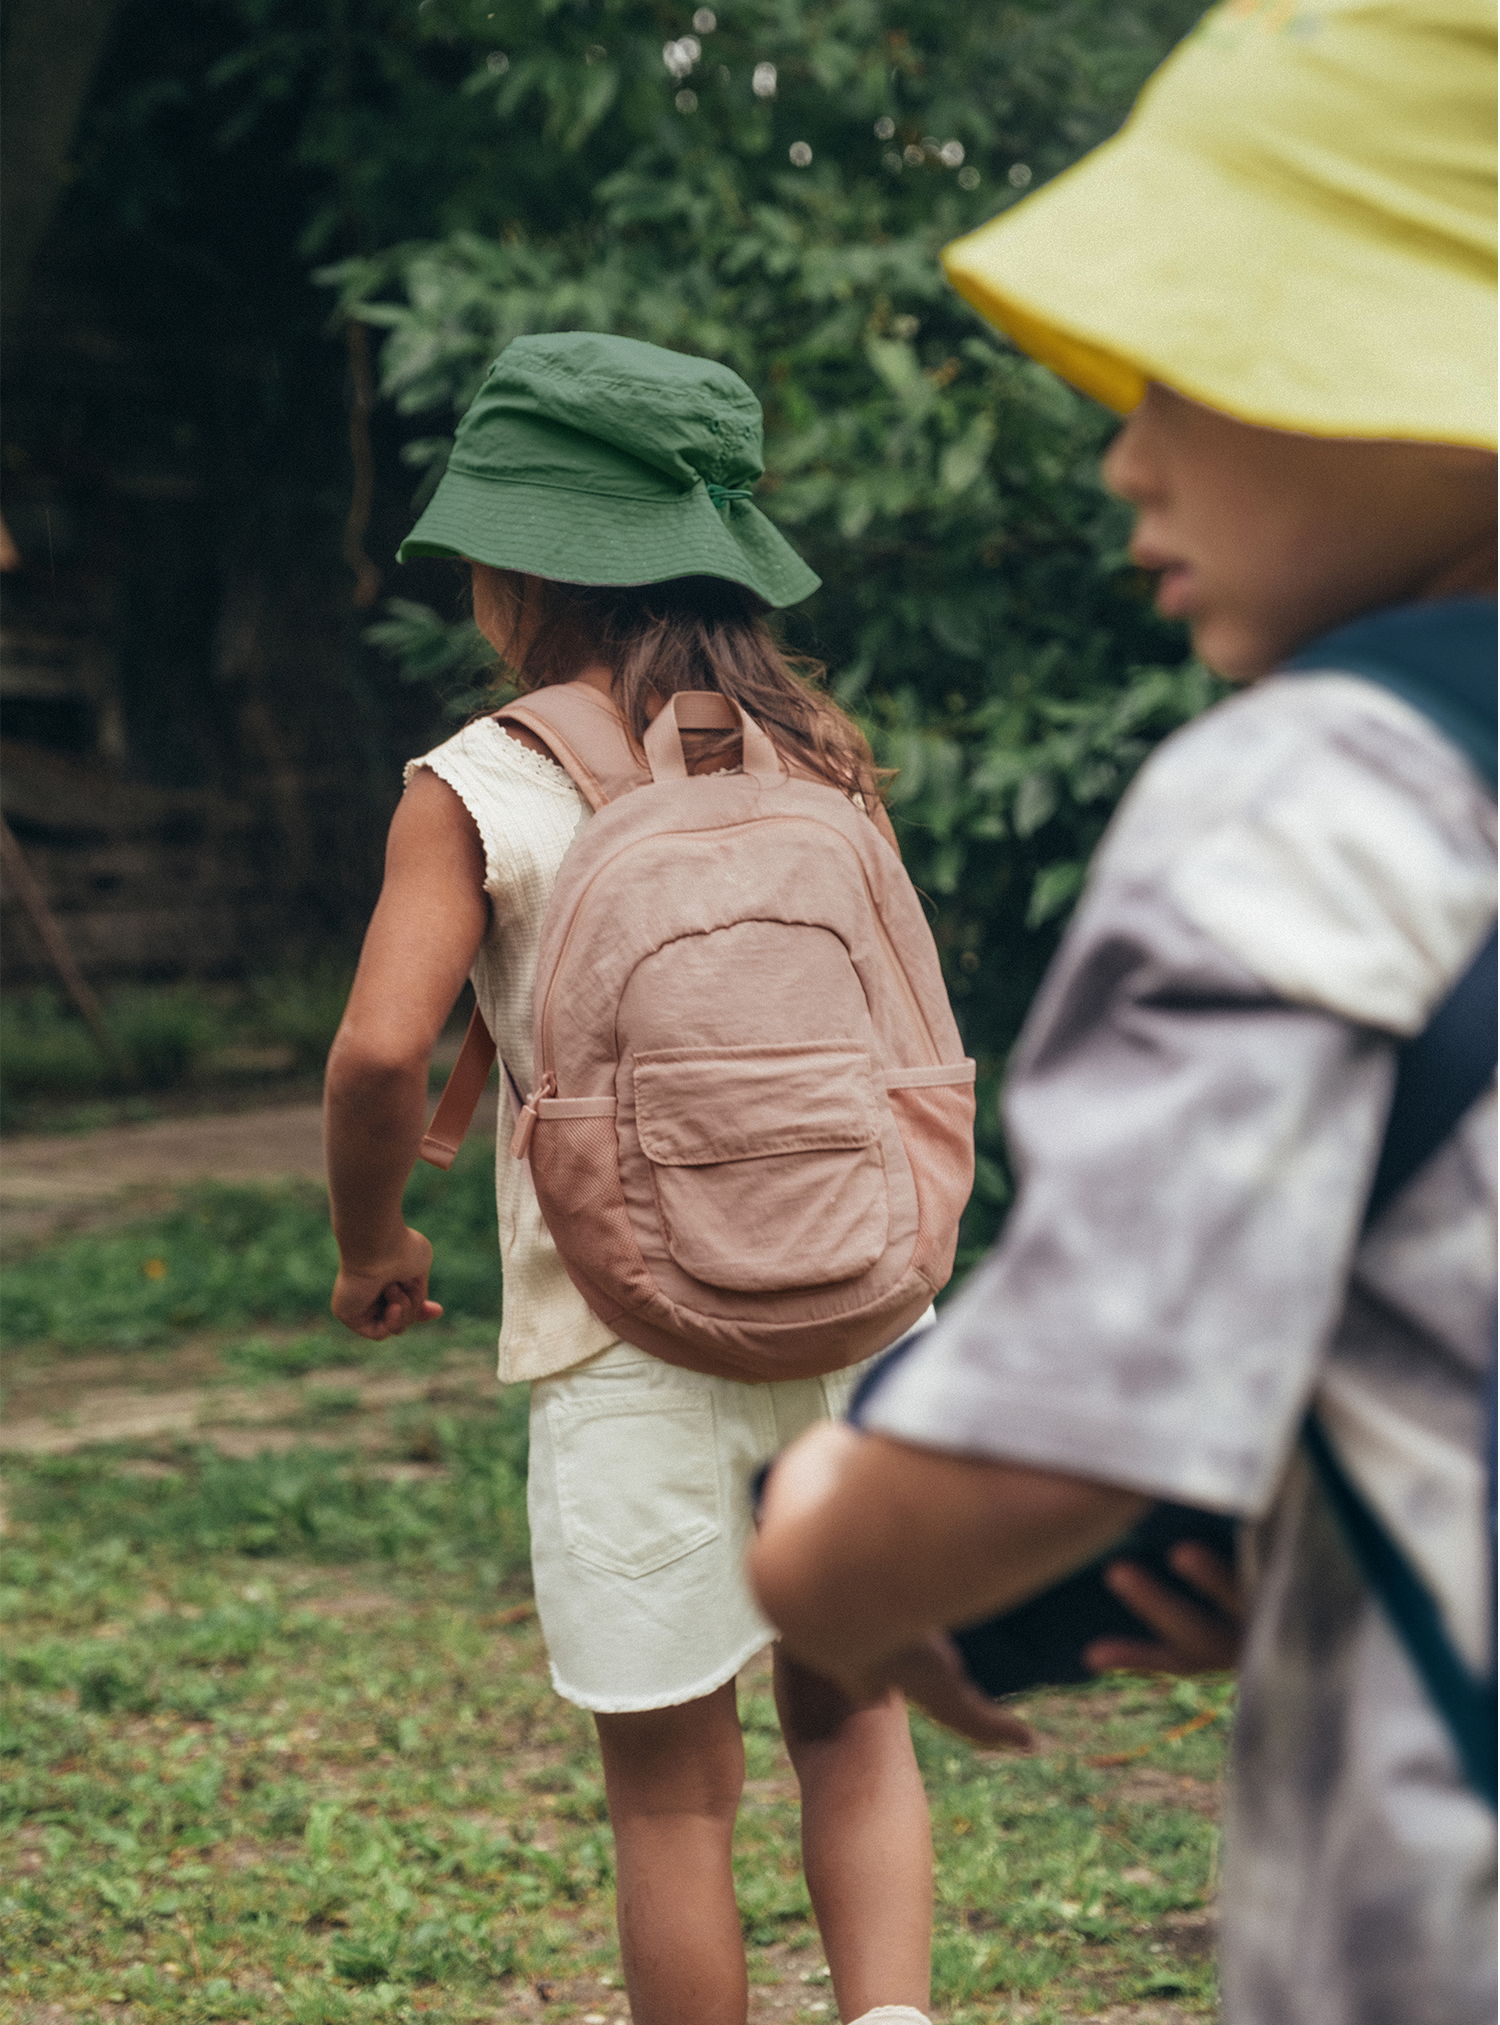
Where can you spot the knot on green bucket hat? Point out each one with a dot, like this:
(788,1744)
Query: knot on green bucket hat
(1295,226)
(591,459)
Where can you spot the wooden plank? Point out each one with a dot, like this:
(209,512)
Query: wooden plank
(30,894)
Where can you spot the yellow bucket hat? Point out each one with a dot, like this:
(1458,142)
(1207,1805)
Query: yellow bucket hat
(1296,226)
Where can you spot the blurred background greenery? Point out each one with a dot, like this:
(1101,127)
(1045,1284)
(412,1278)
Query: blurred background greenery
(286,239)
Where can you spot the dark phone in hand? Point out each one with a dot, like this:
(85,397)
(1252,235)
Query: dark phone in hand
(1041,1642)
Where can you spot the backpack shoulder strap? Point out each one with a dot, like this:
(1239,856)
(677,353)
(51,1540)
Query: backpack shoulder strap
(587,737)
(461,1095)
(1467,1705)
(1439,1074)
(1440,657)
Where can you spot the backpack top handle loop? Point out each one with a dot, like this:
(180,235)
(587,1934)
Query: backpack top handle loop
(708,710)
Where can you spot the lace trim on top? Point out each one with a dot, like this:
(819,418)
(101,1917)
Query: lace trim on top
(510,752)
(545,772)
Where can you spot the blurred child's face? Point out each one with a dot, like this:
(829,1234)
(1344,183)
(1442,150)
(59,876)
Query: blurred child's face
(504,614)
(1265,539)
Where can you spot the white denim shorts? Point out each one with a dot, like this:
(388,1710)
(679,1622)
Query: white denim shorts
(639,1500)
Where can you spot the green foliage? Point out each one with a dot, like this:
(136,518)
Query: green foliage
(268,1357)
(168,1035)
(450,654)
(162,1035)
(978,609)
(231,1257)
(268,1742)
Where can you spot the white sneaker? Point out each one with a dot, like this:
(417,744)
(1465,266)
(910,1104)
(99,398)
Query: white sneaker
(892,2014)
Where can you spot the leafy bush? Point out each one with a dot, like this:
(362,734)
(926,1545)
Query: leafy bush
(162,1035)
(452,655)
(165,1035)
(44,1047)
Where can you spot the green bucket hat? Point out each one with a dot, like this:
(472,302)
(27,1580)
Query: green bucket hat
(600,460)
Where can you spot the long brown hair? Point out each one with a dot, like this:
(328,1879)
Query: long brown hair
(689,633)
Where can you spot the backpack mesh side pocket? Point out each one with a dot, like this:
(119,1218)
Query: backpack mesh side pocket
(575,1166)
(936,1123)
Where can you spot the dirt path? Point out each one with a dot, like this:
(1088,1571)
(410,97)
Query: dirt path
(55,1408)
(52,1181)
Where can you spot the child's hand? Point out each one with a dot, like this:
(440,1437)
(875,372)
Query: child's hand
(931,1674)
(388,1295)
(1192,1640)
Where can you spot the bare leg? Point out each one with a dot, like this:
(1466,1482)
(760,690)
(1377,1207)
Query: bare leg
(673,1779)
(866,1839)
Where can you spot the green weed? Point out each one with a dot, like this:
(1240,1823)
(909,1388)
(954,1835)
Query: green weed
(163,1035)
(267,1357)
(329,1402)
(270,1748)
(43,1047)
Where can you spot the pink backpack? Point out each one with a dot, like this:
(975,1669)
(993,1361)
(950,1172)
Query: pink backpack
(752,1132)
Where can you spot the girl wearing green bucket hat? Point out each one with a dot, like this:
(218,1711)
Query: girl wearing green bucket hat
(601,491)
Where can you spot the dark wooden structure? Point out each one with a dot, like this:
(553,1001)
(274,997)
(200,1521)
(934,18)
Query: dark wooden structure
(198,753)
(184,755)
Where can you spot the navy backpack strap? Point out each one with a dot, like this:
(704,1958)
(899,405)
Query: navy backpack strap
(1441,658)
(1468,1706)
(1439,1075)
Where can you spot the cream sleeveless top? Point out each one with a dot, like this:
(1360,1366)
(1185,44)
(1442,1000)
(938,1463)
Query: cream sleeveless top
(527,812)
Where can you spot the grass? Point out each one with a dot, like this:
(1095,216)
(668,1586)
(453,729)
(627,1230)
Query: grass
(232,1257)
(277,1734)
(313,1503)
(166,1037)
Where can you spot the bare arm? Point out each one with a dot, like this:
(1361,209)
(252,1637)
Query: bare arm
(421,942)
(868,1547)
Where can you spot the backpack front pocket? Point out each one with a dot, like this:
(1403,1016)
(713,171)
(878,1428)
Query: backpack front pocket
(766,1162)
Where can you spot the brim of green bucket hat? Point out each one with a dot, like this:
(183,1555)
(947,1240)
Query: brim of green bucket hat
(580,537)
(1268,302)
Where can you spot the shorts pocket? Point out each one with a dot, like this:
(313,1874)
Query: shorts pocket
(637,1484)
